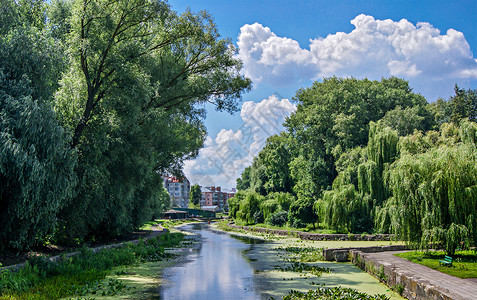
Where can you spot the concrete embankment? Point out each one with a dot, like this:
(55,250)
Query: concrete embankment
(343,254)
(414,281)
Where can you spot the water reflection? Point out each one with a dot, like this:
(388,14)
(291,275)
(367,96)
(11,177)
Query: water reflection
(218,270)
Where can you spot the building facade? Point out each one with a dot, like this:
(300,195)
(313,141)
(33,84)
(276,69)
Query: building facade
(178,188)
(216,196)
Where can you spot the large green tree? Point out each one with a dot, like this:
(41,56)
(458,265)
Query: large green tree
(359,188)
(270,170)
(130,98)
(462,105)
(435,192)
(36,160)
(36,167)
(332,117)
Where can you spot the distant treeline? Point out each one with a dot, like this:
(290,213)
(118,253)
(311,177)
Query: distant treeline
(370,156)
(96,99)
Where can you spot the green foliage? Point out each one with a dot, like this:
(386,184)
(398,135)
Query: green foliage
(278,218)
(303,254)
(463,105)
(323,149)
(249,207)
(36,162)
(332,118)
(468,133)
(345,210)
(301,212)
(270,170)
(27,13)
(437,193)
(234,204)
(276,202)
(195,194)
(81,274)
(30,55)
(36,171)
(243,182)
(359,188)
(300,267)
(137,72)
(406,121)
(335,293)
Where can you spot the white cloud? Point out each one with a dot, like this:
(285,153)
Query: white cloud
(374,49)
(271,58)
(223,158)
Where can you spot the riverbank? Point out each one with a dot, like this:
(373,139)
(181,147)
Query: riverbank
(115,270)
(316,236)
(276,275)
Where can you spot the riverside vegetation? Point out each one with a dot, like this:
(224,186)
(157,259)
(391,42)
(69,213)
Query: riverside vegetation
(97,98)
(82,274)
(361,156)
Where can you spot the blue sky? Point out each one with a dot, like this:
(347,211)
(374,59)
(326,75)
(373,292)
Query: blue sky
(286,45)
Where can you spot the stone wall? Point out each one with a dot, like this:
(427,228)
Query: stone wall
(343,253)
(412,288)
(317,236)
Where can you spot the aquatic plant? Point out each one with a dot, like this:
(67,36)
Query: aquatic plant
(336,293)
(300,267)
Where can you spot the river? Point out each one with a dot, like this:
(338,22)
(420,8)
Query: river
(218,269)
(224,266)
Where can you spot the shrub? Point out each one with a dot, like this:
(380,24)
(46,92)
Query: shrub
(278,218)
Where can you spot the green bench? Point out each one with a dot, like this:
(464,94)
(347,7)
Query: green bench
(446,262)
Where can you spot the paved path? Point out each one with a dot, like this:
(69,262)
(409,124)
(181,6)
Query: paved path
(454,287)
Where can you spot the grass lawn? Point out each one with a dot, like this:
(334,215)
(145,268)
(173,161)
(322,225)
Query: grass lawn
(463,266)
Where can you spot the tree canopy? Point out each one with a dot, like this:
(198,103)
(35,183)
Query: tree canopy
(368,156)
(37,163)
(117,90)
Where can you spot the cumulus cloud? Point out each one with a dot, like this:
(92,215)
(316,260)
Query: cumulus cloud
(373,49)
(224,157)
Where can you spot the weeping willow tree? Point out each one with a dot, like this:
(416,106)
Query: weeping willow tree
(435,195)
(244,207)
(359,189)
(276,202)
(381,150)
(345,210)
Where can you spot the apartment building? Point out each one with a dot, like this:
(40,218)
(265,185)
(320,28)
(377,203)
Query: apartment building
(216,196)
(178,188)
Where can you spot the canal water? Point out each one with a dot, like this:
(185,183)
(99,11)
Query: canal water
(217,269)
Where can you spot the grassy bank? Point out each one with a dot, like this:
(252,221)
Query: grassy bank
(82,274)
(166,223)
(463,266)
